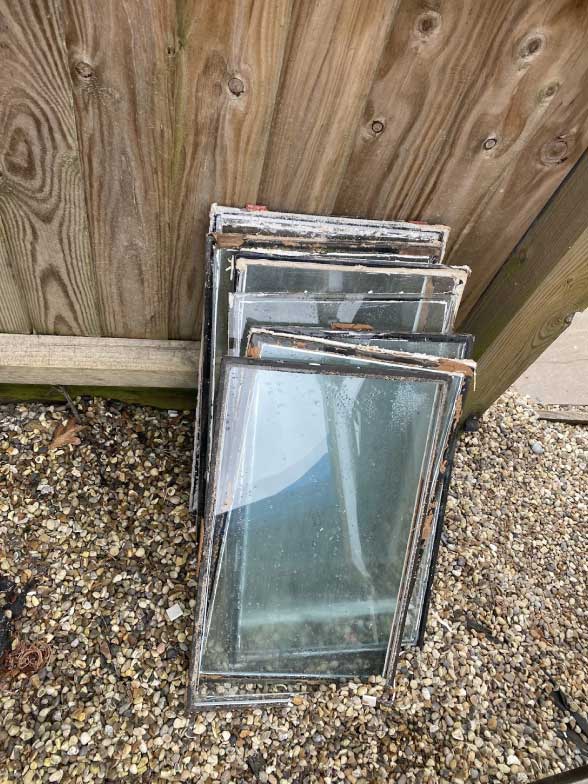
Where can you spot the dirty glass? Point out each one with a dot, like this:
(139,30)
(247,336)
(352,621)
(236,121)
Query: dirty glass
(265,275)
(337,229)
(451,346)
(298,349)
(264,343)
(220,283)
(317,487)
(407,314)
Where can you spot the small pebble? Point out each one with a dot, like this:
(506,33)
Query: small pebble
(174,612)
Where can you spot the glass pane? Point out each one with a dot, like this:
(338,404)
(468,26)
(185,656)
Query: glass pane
(221,283)
(297,349)
(451,346)
(316,483)
(375,314)
(263,275)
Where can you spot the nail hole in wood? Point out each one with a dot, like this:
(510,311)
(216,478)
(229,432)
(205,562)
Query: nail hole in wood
(236,86)
(377,127)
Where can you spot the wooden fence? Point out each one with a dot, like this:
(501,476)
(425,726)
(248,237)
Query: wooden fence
(122,120)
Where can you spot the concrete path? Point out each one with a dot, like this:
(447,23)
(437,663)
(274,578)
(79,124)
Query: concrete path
(560,375)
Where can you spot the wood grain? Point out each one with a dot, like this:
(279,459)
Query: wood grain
(13,314)
(484,110)
(228,61)
(534,296)
(46,359)
(571,416)
(42,206)
(332,52)
(121,58)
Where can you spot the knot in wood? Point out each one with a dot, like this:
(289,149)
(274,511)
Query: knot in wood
(428,23)
(236,86)
(84,70)
(490,143)
(531,46)
(550,90)
(555,151)
(377,127)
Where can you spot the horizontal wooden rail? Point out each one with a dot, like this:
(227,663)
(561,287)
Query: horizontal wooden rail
(96,362)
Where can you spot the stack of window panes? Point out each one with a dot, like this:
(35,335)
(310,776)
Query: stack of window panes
(331,385)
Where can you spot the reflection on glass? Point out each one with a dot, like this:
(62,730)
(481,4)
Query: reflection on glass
(263,275)
(317,480)
(376,314)
(299,349)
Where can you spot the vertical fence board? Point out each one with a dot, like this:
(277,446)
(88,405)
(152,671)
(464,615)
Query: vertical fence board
(121,57)
(13,314)
(229,59)
(483,109)
(536,292)
(332,52)
(42,204)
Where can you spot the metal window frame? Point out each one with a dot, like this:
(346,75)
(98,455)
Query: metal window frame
(268,222)
(417,337)
(207,530)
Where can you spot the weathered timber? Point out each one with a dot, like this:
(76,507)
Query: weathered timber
(228,62)
(332,52)
(476,114)
(42,209)
(14,315)
(45,359)
(536,293)
(569,415)
(122,64)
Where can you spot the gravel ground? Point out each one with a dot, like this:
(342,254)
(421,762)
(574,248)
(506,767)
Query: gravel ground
(102,529)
